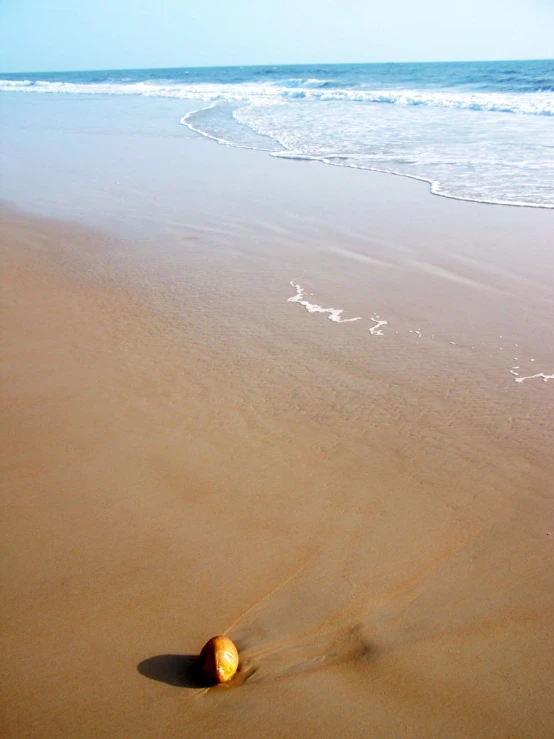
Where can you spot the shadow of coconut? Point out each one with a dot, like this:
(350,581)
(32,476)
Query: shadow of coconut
(179,670)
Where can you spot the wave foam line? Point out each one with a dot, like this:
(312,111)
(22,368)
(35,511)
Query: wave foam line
(334,313)
(435,186)
(519,378)
(186,122)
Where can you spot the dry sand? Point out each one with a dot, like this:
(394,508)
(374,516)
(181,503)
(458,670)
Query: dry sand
(186,452)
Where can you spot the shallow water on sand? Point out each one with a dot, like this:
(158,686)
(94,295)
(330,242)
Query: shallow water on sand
(191,452)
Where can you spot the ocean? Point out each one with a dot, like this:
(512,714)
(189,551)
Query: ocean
(479,131)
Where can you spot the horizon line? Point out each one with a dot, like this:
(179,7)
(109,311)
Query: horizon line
(288,64)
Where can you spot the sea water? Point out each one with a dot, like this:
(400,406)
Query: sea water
(481,131)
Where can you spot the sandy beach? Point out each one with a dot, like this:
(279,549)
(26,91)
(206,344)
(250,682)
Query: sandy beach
(191,447)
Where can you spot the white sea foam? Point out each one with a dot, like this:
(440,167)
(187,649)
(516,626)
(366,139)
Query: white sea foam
(376,330)
(334,314)
(519,378)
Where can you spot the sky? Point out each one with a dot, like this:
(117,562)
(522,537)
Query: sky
(59,35)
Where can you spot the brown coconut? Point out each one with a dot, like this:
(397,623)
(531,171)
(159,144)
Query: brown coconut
(219,659)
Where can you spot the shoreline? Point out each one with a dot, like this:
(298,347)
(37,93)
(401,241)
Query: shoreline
(469,132)
(287,154)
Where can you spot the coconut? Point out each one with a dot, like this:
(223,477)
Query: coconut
(219,659)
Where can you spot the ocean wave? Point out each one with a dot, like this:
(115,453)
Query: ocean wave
(14,84)
(526,103)
(311,82)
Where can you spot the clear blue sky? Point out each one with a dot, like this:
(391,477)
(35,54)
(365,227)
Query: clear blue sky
(55,35)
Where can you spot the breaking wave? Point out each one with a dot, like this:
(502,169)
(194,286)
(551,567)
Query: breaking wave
(529,103)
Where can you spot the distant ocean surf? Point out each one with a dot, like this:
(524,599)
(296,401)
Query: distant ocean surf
(481,131)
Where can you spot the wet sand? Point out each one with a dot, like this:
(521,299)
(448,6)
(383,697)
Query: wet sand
(186,452)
